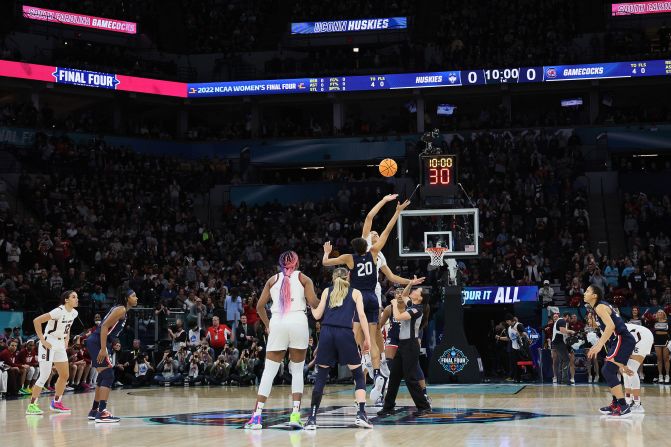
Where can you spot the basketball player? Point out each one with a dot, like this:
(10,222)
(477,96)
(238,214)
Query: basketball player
(392,344)
(336,311)
(288,330)
(632,381)
(377,362)
(52,350)
(99,344)
(363,264)
(621,345)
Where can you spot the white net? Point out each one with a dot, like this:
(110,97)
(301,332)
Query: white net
(437,254)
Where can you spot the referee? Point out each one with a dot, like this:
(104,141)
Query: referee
(404,365)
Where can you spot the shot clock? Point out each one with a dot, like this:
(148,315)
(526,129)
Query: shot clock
(439,174)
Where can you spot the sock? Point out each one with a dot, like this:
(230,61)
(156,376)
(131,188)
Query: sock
(33,400)
(58,398)
(102,405)
(297,406)
(259,408)
(95,405)
(383,357)
(362,407)
(637,399)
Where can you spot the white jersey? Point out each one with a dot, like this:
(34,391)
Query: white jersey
(379,262)
(297,294)
(61,322)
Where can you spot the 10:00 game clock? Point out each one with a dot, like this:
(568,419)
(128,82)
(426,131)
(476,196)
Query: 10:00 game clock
(439,173)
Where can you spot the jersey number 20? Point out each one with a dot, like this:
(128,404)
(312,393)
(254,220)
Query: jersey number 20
(365,269)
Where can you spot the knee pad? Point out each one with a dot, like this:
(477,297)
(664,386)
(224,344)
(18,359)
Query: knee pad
(296,370)
(359,379)
(269,372)
(609,372)
(635,380)
(105,378)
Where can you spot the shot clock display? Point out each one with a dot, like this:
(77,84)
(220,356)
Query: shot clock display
(439,173)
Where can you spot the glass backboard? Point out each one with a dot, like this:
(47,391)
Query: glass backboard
(454,229)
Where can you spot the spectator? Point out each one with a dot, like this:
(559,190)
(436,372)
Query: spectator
(28,357)
(218,336)
(244,334)
(16,374)
(546,293)
(219,372)
(233,308)
(177,335)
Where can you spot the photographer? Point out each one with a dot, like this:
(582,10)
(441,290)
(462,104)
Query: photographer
(243,372)
(195,370)
(177,335)
(206,353)
(143,371)
(182,358)
(219,372)
(167,369)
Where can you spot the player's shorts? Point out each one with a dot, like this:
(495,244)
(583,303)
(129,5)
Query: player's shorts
(644,341)
(371,307)
(93,346)
(621,348)
(56,354)
(288,331)
(337,345)
(392,339)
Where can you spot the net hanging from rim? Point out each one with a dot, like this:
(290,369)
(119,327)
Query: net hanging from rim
(437,254)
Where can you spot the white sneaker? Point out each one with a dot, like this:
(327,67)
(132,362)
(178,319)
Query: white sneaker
(660,379)
(667,380)
(384,369)
(637,407)
(376,392)
(379,403)
(554,380)
(367,363)
(69,389)
(572,381)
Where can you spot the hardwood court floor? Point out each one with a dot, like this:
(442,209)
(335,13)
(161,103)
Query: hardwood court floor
(471,416)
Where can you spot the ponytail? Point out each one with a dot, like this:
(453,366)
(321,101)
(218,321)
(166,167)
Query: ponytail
(340,287)
(288,263)
(425,316)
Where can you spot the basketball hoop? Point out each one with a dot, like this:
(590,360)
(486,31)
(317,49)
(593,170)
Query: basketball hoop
(437,254)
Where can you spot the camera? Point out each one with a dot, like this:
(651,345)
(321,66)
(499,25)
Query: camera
(429,138)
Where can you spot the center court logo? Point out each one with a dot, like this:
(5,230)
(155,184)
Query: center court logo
(453,360)
(342,417)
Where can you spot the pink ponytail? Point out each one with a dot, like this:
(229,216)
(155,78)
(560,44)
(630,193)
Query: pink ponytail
(288,264)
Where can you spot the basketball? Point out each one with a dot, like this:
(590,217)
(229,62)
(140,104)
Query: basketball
(388,167)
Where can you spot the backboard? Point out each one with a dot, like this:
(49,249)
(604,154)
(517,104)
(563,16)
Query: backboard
(455,229)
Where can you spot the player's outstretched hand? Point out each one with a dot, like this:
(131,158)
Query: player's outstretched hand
(327,247)
(402,206)
(594,350)
(389,198)
(416,281)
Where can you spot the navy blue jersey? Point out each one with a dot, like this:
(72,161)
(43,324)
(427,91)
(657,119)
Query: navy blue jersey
(620,326)
(394,329)
(342,315)
(115,330)
(364,274)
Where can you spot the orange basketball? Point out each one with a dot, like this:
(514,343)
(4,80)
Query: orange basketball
(388,167)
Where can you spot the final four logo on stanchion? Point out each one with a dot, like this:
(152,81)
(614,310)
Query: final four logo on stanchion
(453,360)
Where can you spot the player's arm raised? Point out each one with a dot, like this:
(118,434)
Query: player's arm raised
(391,276)
(109,323)
(309,287)
(263,300)
(37,323)
(368,222)
(402,316)
(340,260)
(379,245)
(358,299)
(386,313)
(318,311)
